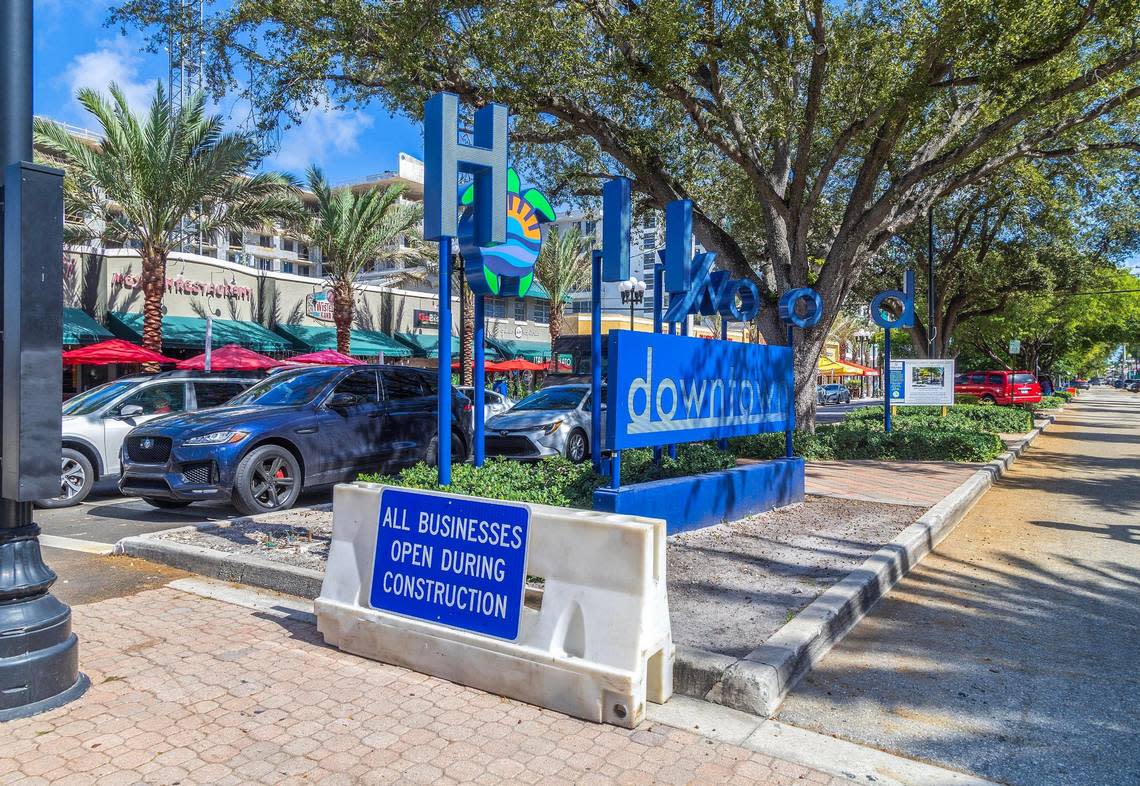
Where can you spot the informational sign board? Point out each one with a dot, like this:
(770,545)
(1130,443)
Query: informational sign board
(668,389)
(914,382)
(424,318)
(1015,346)
(452,561)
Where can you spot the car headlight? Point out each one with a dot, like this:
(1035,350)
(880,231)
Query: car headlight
(217,438)
(550,428)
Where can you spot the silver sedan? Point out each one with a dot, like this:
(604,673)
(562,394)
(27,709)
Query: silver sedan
(554,421)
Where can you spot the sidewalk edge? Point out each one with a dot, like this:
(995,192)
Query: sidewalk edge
(758,682)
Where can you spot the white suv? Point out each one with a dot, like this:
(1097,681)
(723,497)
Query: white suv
(96,421)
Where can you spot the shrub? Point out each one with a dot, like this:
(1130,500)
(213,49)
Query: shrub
(1064,395)
(978,417)
(912,440)
(557,481)
(1050,402)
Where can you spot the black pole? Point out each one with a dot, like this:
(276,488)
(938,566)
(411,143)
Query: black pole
(930,293)
(39,655)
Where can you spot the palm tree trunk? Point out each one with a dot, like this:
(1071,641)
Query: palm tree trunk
(153,281)
(343,312)
(555,327)
(467,334)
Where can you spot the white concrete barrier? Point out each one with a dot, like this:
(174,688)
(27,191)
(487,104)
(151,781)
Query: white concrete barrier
(596,645)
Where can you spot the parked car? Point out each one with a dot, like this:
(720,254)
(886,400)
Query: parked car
(1133,386)
(999,387)
(96,421)
(1119,383)
(832,394)
(1082,384)
(297,429)
(1097,380)
(493,403)
(554,421)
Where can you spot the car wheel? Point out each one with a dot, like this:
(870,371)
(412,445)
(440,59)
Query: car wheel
(987,399)
(576,448)
(267,479)
(76,478)
(458,454)
(166,504)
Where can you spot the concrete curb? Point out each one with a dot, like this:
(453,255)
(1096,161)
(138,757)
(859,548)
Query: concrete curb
(226,566)
(758,682)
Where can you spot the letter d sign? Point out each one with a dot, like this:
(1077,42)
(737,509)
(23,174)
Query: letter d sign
(906,318)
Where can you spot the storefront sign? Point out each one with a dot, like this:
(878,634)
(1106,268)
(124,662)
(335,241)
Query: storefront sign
(188,286)
(666,389)
(425,319)
(921,382)
(452,561)
(319,305)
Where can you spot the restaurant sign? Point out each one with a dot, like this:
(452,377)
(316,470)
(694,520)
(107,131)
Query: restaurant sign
(188,286)
(319,305)
(425,319)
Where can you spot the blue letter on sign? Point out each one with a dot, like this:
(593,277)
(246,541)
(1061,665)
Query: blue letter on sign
(666,389)
(790,299)
(906,297)
(453,561)
(445,158)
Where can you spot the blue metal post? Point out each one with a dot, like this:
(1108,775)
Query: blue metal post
(658,312)
(615,469)
(723,443)
(789,449)
(480,380)
(443,419)
(886,371)
(596,361)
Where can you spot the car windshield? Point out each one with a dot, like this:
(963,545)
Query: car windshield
(1023,379)
(551,398)
(96,398)
(288,390)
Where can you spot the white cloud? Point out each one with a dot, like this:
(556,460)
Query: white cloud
(324,132)
(115,60)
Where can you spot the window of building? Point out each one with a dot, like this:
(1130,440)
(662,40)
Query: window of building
(541,311)
(234,257)
(649,240)
(650,221)
(649,259)
(264,264)
(302,251)
(265,241)
(304,270)
(235,238)
(581,307)
(288,244)
(286,267)
(496,307)
(520,310)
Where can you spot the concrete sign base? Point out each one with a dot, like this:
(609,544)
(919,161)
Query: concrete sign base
(598,645)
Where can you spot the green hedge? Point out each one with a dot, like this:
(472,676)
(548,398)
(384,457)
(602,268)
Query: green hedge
(917,442)
(1050,402)
(979,417)
(557,481)
(1064,395)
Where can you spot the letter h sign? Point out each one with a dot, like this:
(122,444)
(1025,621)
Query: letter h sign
(445,157)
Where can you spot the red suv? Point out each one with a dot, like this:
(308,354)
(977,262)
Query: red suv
(999,387)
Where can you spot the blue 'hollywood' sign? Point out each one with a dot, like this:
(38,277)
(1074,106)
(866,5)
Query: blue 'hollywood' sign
(666,389)
(452,561)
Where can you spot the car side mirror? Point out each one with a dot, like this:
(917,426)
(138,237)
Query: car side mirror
(343,401)
(130,411)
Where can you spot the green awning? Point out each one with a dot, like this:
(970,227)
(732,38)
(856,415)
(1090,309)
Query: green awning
(79,327)
(426,345)
(534,351)
(190,333)
(363,343)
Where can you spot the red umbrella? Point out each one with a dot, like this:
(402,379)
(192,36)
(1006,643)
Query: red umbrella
(231,357)
(488,365)
(113,351)
(518,364)
(557,365)
(327,357)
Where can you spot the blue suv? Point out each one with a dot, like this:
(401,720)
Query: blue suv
(297,429)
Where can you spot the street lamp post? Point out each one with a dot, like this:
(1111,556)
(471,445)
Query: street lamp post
(863,337)
(39,655)
(632,292)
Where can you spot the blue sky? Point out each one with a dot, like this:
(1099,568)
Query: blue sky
(74,49)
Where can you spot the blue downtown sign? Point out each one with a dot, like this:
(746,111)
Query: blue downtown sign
(451,560)
(666,389)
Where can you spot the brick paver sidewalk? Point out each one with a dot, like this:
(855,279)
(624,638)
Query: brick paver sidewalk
(922,483)
(191,690)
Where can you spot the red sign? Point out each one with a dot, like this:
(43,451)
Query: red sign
(188,286)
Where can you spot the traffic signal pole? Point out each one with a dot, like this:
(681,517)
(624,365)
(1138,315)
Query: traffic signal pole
(39,655)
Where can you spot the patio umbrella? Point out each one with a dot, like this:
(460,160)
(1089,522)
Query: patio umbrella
(488,365)
(518,364)
(231,357)
(327,357)
(113,351)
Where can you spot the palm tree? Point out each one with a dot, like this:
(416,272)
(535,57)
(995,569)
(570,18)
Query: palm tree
(158,178)
(562,267)
(352,230)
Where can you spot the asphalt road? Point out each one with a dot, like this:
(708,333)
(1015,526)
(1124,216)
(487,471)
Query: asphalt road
(1011,651)
(833,413)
